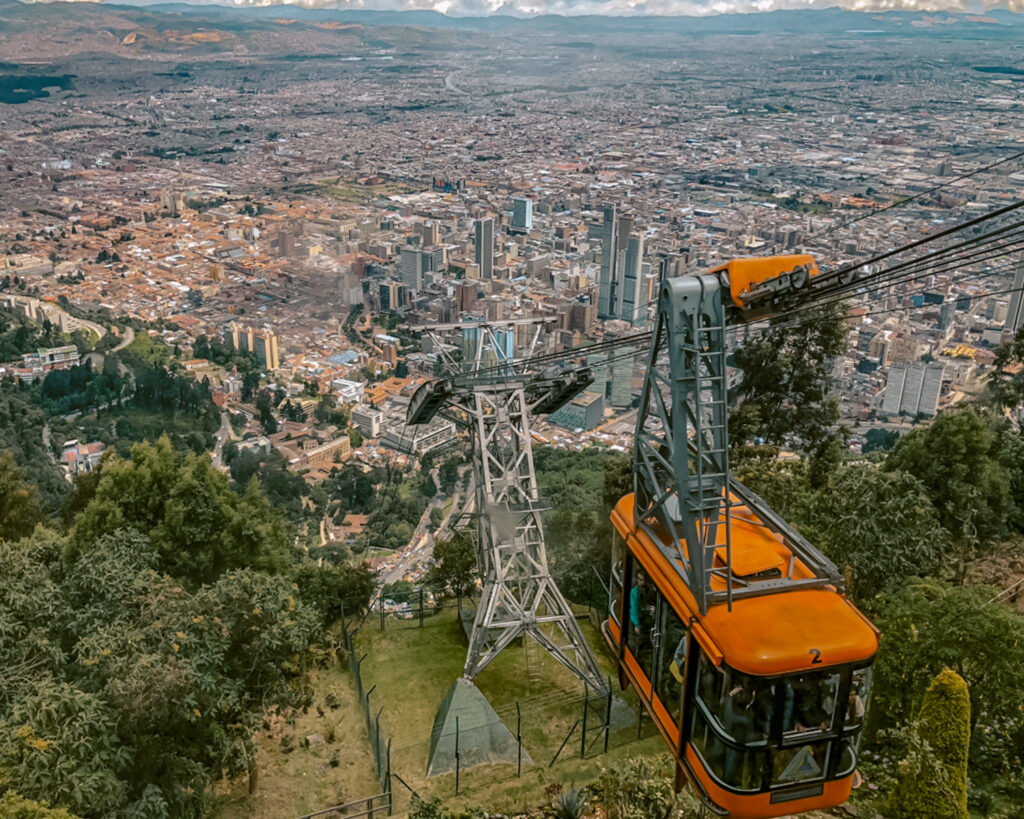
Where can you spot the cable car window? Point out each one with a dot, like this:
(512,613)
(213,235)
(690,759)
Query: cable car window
(741,704)
(848,755)
(809,703)
(615,588)
(739,768)
(642,597)
(860,691)
(671,660)
(800,764)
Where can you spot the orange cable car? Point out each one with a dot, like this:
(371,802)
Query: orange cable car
(732,629)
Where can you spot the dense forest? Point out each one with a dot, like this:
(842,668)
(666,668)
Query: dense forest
(144,637)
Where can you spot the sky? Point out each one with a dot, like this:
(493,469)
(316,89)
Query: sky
(641,7)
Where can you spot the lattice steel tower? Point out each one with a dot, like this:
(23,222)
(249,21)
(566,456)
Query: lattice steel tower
(494,396)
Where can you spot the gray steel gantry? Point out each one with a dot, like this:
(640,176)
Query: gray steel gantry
(494,396)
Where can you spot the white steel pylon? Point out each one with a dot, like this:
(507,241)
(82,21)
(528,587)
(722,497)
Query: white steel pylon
(495,400)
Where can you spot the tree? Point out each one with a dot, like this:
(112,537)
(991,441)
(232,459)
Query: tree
(157,691)
(957,460)
(880,524)
(20,508)
(329,588)
(877,438)
(61,743)
(455,568)
(928,626)
(198,525)
(933,781)
(1005,387)
(784,396)
(355,437)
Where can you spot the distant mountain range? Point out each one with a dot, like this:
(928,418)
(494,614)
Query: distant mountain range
(693,18)
(612,8)
(56,30)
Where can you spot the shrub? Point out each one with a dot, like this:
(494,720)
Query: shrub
(933,776)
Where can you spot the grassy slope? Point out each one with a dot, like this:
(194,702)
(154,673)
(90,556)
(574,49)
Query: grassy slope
(413,670)
(303,780)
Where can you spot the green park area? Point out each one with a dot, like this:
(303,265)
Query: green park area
(350,191)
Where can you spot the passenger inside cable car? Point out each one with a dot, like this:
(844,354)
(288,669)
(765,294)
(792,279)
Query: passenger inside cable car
(751,733)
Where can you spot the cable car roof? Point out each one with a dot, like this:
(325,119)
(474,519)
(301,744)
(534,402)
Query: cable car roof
(765,635)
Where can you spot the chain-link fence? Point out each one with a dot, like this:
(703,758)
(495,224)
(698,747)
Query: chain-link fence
(380,743)
(562,723)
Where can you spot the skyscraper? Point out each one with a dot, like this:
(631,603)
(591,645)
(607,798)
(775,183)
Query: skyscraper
(1015,316)
(607,286)
(412,268)
(620,285)
(485,247)
(265,347)
(632,279)
(522,214)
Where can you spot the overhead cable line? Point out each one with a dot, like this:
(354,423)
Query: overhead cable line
(934,189)
(948,257)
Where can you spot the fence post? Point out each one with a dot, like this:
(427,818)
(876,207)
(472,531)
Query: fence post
(369,807)
(421,607)
(608,716)
(457,756)
(376,743)
(565,742)
(382,612)
(639,720)
(519,741)
(586,707)
(387,780)
(369,721)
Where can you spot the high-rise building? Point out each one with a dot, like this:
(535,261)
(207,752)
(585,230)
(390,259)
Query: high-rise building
(466,295)
(914,389)
(1015,316)
(946,313)
(894,389)
(261,342)
(621,381)
(522,215)
(931,388)
(607,285)
(632,279)
(620,285)
(390,294)
(412,267)
(485,247)
(431,233)
(265,347)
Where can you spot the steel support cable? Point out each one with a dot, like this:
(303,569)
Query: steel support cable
(542,358)
(858,284)
(888,276)
(931,238)
(842,287)
(914,271)
(934,189)
(797,322)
